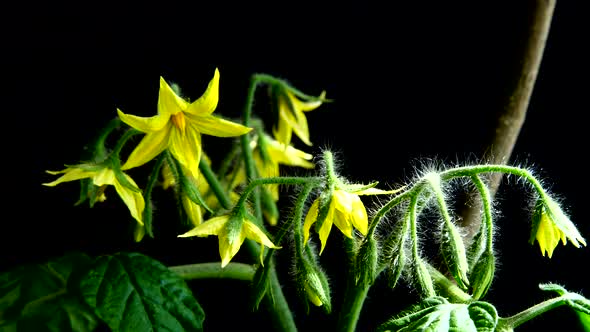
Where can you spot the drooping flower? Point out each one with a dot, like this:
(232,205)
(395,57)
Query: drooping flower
(291,118)
(345,210)
(231,231)
(101,177)
(178,127)
(550,225)
(268,155)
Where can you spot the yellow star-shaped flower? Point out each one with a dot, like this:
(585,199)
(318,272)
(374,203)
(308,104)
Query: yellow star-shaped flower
(551,226)
(345,210)
(178,127)
(231,234)
(291,118)
(104,176)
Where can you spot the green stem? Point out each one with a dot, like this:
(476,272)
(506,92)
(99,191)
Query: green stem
(122,141)
(214,184)
(99,144)
(281,314)
(237,271)
(486,199)
(352,306)
(474,170)
(147,212)
(509,323)
(245,141)
(284,180)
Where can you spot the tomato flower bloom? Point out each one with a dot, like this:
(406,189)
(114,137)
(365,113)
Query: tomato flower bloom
(231,233)
(550,225)
(345,210)
(178,127)
(103,176)
(291,118)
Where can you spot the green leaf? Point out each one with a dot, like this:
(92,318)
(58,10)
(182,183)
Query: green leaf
(133,292)
(40,297)
(584,321)
(436,314)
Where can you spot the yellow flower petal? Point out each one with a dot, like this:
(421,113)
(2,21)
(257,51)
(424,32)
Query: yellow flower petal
(214,126)
(105,176)
(306,106)
(228,249)
(547,235)
(283,131)
(288,155)
(207,103)
(358,215)
(193,211)
(168,101)
(297,124)
(134,200)
(253,232)
(375,191)
(213,226)
(342,221)
(326,227)
(310,219)
(70,174)
(146,125)
(186,149)
(150,146)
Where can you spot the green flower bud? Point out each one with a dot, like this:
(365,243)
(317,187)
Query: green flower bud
(483,275)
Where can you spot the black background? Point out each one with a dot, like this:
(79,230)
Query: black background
(411,83)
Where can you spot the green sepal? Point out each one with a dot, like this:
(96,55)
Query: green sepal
(395,268)
(423,278)
(261,282)
(438,315)
(262,143)
(323,208)
(187,185)
(483,275)
(476,249)
(354,188)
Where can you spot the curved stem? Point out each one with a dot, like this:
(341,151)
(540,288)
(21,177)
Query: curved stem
(237,271)
(509,323)
(286,180)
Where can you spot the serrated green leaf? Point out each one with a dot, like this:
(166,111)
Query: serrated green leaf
(436,314)
(38,297)
(133,292)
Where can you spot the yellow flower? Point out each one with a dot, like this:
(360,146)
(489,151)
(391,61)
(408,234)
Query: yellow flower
(550,225)
(102,177)
(291,118)
(178,127)
(345,210)
(267,162)
(231,234)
